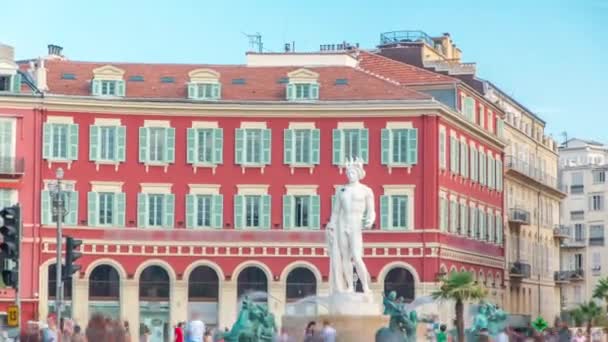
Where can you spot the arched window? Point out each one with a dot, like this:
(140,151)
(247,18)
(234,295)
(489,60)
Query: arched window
(52,283)
(203,285)
(401,281)
(251,279)
(301,283)
(104,283)
(154,284)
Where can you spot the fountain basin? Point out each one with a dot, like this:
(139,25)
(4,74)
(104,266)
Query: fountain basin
(349,328)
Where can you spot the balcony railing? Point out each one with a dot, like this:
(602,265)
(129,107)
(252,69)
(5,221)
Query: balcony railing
(577,189)
(561,232)
(12,166)
(569,275)
(518,215)
(596,241)
(535,173)
(519,270)
(576,241)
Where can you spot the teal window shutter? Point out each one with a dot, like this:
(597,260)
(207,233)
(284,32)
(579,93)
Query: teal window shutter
(93,142)
(287,211)
(47,129)
(191,154)
(315,212)
(453,167)
(72,217)
(239,207)
(93,209)
(288,146)
(121,143)
(218,146)
(385,212)
(190,211)
(120,204)
(338,152)
(16,83)
(315,149)
(408,224)
(96,87)
(364,144)
(45,207)
(192,91)
(143,144)
(266,212)
(120,88)
(266,144)
(386,146)
(499,175)
(216,91)
(73,151)
(217,211)
(170,139)
(142,210)
(239,146)
(412,146)
(290,91)
(169,211)
(314,91)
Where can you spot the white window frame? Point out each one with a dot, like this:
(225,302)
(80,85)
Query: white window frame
(402,190)
(443,143)
(13,122)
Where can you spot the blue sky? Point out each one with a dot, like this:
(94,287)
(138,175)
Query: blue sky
(548,54)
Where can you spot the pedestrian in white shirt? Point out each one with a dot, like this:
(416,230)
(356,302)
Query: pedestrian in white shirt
(196,330)
(328,333)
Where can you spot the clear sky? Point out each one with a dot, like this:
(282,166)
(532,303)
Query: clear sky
(548,54)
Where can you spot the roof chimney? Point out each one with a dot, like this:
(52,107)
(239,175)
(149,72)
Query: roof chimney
(55,50)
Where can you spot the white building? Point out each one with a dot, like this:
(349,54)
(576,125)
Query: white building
(584,257)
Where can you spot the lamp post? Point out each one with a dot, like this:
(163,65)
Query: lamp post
(59,212)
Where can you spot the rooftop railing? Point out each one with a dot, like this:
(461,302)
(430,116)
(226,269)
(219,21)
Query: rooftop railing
(535,173)
(405,37)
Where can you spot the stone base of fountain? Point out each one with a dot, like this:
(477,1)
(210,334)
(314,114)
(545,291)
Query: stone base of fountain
(349,328)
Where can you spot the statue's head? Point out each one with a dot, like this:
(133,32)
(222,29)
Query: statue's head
(392,295)
(354,169)
(483,309)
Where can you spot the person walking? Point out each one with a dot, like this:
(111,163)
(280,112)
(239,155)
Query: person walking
(309,333)
(179,332)
(579,337)
(564,334)
(50,333)
(78,336)
(196,330)
(125,324)
(442,335)
(328,333)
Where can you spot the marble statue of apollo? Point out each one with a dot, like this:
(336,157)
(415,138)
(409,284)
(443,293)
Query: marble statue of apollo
(353,211)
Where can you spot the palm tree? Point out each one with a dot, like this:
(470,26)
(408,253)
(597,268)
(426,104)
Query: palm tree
(601,290)
(587,313)
(459,287)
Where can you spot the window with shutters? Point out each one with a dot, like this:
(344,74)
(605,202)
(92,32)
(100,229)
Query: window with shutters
(474,164)
(252,211)
(204,141)
(10,83)
(491,174)
(499,175)
(108,81)
(301,211)
(107,143)
(301,146)
(443,214)
(252,207)
(350,143)
(60,141)
(499,228)
(203,211)
(596,235)
(106,205)
(482,168)
(442,148)
(157,144)
(106,208)
(397,207)
(599,177)
(204,207)
(302,91)
(454,155)
(468,108)
(7,145)
(490,226)
(205,145)
(399,146)
(596,202)
(500,128)
(454,216)
(464,219)
(69,198)
(204,91)
(474,222)
(155,209)
(464,159)
(253,146)
(482,224)
(108,88)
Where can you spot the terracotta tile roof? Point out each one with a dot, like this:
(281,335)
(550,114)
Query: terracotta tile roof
(404,74)
(261,83)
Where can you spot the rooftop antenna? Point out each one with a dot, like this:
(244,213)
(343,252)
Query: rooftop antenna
(565,135)
(255,42)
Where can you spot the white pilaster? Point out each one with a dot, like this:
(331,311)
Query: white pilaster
(276,301)
(178,307)
(227,304)
(80,300)
(129,305)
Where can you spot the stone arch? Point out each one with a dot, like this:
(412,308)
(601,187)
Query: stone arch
(237,270)
(303,264)
(443,268)
(156,262)
(106,261)
(104,286)
(453,269)
(397,264)
(218,270)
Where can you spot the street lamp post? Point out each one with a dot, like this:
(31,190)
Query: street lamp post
(59,211)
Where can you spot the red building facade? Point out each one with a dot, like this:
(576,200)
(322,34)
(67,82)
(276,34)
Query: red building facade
(174,227)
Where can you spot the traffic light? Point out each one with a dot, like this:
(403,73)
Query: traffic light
(71,255)
(11,231)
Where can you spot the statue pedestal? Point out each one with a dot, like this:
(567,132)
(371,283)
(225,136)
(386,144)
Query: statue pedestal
(349,328)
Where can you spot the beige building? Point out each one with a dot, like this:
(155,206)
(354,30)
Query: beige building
(532,198)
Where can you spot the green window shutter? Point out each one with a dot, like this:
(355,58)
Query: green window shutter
(45,207)
(315,148)
(142,210)
(290,91)
(464,170)
(338,152)
(364,144)
(47,130)
(191,156)
(385,205)
(192,91)
(239,208)
(169,211)
(120,88)
(500,126)
(121,143)
(315,212)
(386,146)
(93,209)
(266,212)
(314,91)
(287,211)
(217,211)
(216,91)
(72,218)
(96,87)
(143,144)
(73,138)
(499,175)
(190,211)
(16,83)
(218,146)
(288,146)
(239,146)
(170,143)
(266,144)
(412,146)
(453,155)
(442,214)
(120,203)
(408,224)
(93,142)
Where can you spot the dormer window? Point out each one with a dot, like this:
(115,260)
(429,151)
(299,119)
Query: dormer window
(108,81)
(204,85)
(303,85)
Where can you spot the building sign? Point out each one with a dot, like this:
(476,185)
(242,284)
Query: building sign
(13,316)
